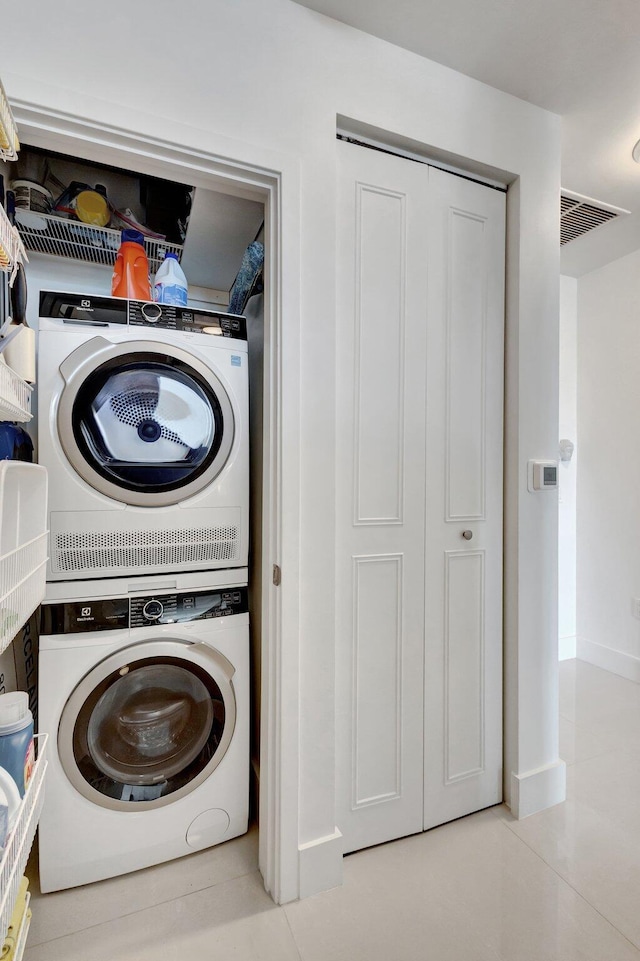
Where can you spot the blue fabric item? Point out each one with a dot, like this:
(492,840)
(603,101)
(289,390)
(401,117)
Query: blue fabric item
(15,443)
(245,282)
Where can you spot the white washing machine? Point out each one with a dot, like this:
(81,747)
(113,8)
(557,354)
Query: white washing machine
(145,695)
(143,427)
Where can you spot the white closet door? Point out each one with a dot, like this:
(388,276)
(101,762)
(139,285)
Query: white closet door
(463,584)
(419,443)
(382,301)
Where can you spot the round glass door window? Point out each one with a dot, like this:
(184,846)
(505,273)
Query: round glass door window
(148,730)
(149,422)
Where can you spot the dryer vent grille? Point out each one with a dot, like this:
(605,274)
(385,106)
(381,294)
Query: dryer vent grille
(82,551)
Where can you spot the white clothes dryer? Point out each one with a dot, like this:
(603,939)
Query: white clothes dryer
(146,698)
(143,427)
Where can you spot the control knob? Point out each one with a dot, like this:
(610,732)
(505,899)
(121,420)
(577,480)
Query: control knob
(151,313)
(153,610)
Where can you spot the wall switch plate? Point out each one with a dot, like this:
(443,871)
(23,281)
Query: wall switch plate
(636,607)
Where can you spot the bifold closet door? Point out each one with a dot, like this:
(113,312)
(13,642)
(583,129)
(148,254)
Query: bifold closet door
(419,455)
(464,485)
(380,504)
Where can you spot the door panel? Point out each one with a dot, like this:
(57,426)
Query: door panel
(463,585)
(465,365)
(420,261)
(463,643)
(377,676)
(379,336)
(380,500)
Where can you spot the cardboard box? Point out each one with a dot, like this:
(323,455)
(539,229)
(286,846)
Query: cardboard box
(19,665)
(7,671)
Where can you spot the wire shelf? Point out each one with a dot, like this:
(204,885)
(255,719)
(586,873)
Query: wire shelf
(21,940)
(16,853)
(11,246)
(48,234)
(15,396)
(9,143)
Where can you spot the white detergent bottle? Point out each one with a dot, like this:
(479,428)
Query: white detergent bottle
(170,285)
(9,806)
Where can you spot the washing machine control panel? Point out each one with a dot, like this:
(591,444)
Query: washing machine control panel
(188,606)
(119,613)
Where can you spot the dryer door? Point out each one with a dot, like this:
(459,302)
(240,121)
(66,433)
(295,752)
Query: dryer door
(147,725)
(144,423)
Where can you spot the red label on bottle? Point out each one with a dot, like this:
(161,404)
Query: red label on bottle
(29,761)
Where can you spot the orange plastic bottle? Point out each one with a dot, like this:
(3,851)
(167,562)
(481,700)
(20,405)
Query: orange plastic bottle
(131,271)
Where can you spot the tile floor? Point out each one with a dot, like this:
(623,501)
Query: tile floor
(563,884)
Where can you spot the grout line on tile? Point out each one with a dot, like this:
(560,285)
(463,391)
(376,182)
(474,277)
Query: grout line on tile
(573,888)
(293,937)
(148,907)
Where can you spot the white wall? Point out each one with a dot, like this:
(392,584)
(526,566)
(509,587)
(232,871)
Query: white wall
(275,75)
(608,519)
(567,424)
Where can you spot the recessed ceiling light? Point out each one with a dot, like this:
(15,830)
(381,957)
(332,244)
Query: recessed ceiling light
(635,153)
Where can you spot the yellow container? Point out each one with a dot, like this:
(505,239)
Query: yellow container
(92,208)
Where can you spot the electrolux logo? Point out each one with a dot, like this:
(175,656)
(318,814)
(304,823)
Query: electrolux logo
(85,615)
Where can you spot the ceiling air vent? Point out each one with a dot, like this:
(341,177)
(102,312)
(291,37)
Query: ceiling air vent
(579,214)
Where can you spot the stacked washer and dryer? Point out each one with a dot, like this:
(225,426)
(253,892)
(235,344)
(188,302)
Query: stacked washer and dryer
(144,645)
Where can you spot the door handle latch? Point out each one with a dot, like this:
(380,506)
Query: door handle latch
(467,535)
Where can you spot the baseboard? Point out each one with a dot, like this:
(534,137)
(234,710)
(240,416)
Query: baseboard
(320,864)
(538,790)
(566,648)
(626,665)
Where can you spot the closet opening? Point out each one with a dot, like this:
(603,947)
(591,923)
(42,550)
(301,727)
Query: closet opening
(243,199)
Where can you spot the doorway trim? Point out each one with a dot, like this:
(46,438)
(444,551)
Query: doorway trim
(208,160)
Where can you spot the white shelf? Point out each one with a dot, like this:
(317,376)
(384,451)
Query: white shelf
(15,396)
(48,234)
(11,246)
(16,853)
(9,143)
(23,544)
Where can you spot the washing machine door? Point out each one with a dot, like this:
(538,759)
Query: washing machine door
(147,725)
(147,424)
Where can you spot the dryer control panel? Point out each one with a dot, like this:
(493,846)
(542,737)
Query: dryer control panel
(196,321)
(89,310)
(132,612)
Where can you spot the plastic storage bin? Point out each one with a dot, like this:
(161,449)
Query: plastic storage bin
(16,853)
(23,544)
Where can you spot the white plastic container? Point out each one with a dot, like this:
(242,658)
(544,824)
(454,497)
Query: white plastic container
(23,544)
(9,805)
(16,738)
(170,285)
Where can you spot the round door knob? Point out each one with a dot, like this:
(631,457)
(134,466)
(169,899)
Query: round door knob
(467,535)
